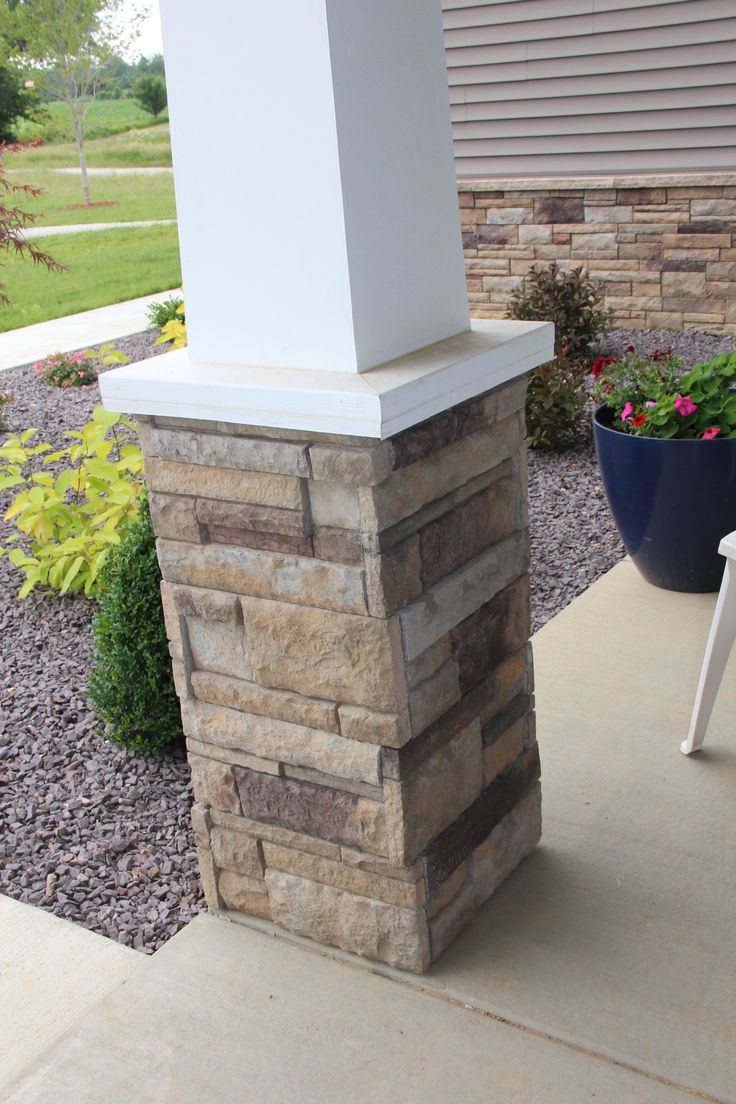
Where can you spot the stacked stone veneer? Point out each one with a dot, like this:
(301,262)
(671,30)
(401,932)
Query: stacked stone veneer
(349,625)
(664,247)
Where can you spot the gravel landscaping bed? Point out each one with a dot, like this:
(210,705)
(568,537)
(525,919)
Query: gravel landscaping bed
(102,836)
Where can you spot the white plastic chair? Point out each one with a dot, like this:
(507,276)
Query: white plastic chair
(717,650)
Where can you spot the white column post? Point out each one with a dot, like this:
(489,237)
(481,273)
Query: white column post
(318,221)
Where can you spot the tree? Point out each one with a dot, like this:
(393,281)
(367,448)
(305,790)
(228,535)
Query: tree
(15,103)
(13,221)
(69,42)
(150,92)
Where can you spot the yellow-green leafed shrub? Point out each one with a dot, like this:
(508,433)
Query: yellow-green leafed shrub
(175,331)
(68,519)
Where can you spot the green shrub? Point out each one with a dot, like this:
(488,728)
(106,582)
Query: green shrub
(5,400)
(68,520)
(557,390)
(150,92)
(166,311)
(131,686)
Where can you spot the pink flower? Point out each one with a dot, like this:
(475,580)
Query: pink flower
(627,411)
(711,433)
(684,405)
(650,405)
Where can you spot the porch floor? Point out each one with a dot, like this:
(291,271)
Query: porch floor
(604,969)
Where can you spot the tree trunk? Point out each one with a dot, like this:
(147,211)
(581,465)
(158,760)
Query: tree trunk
(79,139)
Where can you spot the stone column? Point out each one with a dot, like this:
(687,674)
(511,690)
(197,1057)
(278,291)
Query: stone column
(337,483)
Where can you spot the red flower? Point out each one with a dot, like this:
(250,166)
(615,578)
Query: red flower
(630,349)
(711,433)
(639,420)
(602,362)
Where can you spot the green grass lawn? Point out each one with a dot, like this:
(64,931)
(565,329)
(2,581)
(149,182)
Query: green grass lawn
(145,146)
(104,117)
(103,267)
(130,197)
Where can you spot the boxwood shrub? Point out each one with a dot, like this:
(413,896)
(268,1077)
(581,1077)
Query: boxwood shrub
(131,687)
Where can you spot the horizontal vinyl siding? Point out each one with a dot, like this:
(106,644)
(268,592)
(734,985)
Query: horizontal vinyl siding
(550,87)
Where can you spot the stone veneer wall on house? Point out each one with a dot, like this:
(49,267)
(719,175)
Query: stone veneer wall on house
(349,625)
(663,246)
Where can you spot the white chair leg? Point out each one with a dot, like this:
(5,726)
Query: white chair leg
(717,651)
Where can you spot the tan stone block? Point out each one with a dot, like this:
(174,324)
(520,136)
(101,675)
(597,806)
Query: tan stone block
(214,784)
(509,843)
(683,283)
(503,751)
(407,490)
(664,320)
(450,922)
(456,597)
(449,889)
(348,785)
(282,741)
(532,235)
(175,626)
(219,451)
(264,574)
(261,488)
(232,757)
(693,254)
(694,193)
(386,729)
(721,270)
(469,216)
(261,519)
(466,199)
(251,698)
(705,318)
(180,672)
(334,504)
(503,216)
(640,250)
(696,241)
(612,213)
(208,877)
(346,465)
(713,208)
(201,824)
(218,647)
(349,878)
(434,795)
(433,697)
(341,545)
(374,864)
(594,241)
(691,305)
(244,894)
(174,517)
(358,924)
(428,661)
(721,289)
(238,852)
(645,290)
(275,834)
(210,605)
(324,654)
(661,217)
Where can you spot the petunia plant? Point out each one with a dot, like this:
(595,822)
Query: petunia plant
(652,395)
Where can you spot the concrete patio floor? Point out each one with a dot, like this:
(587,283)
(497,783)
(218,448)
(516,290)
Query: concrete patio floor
(604,969)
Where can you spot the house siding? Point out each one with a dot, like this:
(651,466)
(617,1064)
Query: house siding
(548,88)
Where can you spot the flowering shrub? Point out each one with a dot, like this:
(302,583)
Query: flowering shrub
(651,396)
(557,392)
(68,520)
(67,369)
(77,369)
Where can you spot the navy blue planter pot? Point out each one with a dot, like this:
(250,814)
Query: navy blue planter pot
(672,501)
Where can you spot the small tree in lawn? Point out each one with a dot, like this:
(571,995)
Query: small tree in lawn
(150,92)
(68,43)
(13,220)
